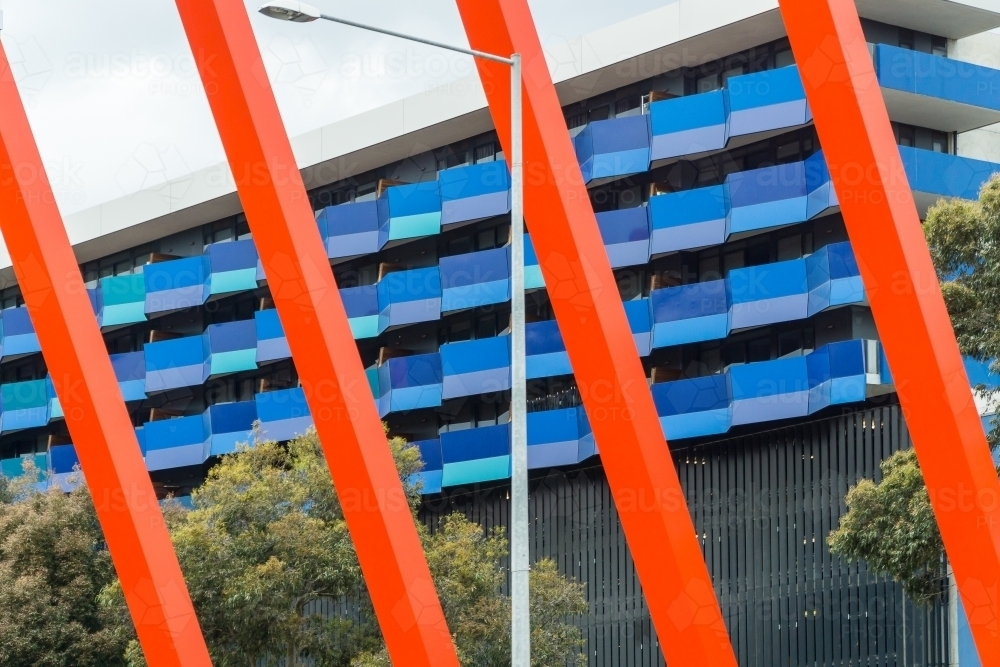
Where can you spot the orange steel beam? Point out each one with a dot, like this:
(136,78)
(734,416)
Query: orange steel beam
(592,321)
(85,383)
(315,323)
(910,314)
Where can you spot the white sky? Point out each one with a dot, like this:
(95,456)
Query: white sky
(116,104)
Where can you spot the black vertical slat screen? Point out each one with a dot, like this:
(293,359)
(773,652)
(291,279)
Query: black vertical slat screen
(762,505)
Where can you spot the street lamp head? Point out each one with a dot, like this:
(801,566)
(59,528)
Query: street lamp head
(288,10)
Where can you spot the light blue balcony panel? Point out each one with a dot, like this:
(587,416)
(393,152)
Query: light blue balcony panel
(411,211)
(770,390)
(352,229)
(182,362)
(688,219)
(765,101)
(640,322)
(475,367)
(532,271)
(283,414)
(474,192)
(687,125)
(176,284)
(176,443)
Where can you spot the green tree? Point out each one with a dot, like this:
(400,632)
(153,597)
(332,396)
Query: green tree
(890,525)
(53,566)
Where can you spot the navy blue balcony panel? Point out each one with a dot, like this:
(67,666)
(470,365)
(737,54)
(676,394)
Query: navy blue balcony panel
(176,443)
(408,383)
(230,424)
(475,367)
(271,342)
(475,455)
(17,335)
(613,148)
(475,279)
(559,438)
(408,297)
(362,306)
(283,414)
(931,91)
(182,362)
(932,175)
(232,266)
(179,283)
(689,313)
(130,371)
(838,373)
(430,476)
(349,230)
(625,233)
(232,347)
(778,195)
(411,211)
(545,351)
(694,407)
(764,101)
(474,192)
(62,463)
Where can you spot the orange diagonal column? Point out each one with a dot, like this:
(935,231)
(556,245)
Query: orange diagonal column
(85,383)
(315,323)
(884,229)
(605,362)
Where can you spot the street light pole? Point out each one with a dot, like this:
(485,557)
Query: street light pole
(299,12)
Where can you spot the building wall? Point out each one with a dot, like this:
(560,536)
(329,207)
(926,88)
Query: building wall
(763,504)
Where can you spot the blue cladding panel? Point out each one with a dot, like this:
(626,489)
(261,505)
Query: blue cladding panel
(766,101)
(179,283)
(933,76)
(687,125)
(411,210)
(232,336)
(352,229)
(613,147)
(176,363)
(626,235)
(62,458)
(268,325)
(543,338)
(688,219)
(16,322)
(475,443)
(360,301)
(689,313)
(129,366)
(283,414)
(474,192)
(475,279)
(945,175)
(406,297)
(232,256)
(770,390)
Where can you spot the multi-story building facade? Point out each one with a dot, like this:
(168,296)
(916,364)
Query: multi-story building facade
(732,261)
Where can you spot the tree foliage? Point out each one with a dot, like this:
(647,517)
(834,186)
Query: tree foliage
(53,567)
(891,525)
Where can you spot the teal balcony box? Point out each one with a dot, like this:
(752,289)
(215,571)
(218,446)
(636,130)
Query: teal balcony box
(411,211)
(25,404)
(122,300)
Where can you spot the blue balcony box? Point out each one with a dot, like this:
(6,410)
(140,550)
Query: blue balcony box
(430,475)
(130,371)
(626,235)
(836,374)
(25,404)
(532,271)
(408,383)
(361,304)
(474,192)
(232,347)
(687,125)
(921,83)
(62,459)
(475,279)
(640,323)
(554,437)
(233,267)
(15,467)
(833,277)
(688,219)
(96,303)
(271,342)
(765,101)
(179,283)
(371,374)
(411,211)
(767,294)
(820,193)
(934,175)
(176,443)
(474,367)
(613,148)
(349,230)
(475,455)
(545,351)
(767,197)
(690,313)
(407,297)
(695,407)
(17,335)
(230,424)
(122,299)
(182,362)
(770,390)
(283,414)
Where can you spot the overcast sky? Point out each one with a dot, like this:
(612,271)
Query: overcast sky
(116,104)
